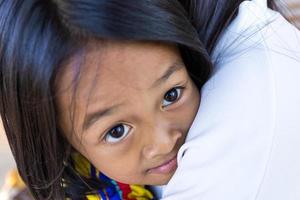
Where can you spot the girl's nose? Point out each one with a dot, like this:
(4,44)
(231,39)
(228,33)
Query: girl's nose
(160,142)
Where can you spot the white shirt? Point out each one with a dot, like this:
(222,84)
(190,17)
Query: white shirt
(244,143)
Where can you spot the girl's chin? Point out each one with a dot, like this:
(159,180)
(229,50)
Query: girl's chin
(158,179)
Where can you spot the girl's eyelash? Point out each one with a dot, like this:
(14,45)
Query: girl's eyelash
(181,88)
(117,133)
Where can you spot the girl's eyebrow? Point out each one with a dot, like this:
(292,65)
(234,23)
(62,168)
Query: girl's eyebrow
(176,66)
(93,117)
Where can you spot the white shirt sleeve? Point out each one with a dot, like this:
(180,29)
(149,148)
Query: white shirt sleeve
(245,140)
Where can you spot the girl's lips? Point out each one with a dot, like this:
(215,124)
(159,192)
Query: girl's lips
(165,168)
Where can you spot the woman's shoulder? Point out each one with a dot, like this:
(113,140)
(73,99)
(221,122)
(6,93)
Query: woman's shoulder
(259,30)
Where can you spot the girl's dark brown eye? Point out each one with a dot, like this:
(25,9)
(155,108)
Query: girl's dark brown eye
(117,133)
(172,96)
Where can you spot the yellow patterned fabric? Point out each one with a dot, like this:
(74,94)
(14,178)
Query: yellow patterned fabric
(115,190)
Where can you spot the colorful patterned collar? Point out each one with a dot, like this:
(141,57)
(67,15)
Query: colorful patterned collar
(116,190)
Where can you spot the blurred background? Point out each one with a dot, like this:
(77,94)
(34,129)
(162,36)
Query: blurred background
(6,160)
(292,10)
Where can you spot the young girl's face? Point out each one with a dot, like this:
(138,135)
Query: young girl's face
(132,105)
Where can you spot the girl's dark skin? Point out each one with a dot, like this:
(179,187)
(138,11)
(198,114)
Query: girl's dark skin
(133,142)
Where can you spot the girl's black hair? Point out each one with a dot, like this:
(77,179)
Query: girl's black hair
(38,36)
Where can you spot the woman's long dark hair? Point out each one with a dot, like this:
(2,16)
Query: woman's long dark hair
(37,36)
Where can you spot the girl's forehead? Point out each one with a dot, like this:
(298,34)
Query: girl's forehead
(118,65)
